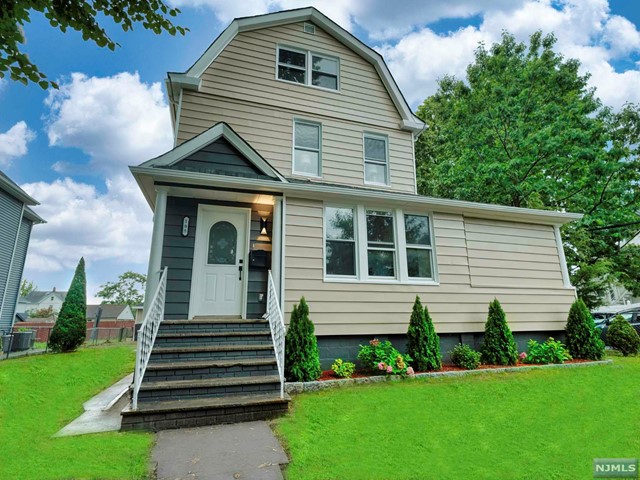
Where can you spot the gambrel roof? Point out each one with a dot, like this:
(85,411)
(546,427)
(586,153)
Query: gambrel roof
(191,79)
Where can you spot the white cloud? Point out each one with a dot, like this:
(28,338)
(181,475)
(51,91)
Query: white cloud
(81,221)
(118,120)
(585,30)
(13,142)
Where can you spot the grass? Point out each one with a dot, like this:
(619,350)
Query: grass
(40,394)
(547,424)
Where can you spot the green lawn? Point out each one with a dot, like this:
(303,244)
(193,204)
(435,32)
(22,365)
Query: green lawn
(547,424)
(40,394)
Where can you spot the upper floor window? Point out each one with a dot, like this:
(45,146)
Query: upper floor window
(308,68)
(376,159)
(306,148)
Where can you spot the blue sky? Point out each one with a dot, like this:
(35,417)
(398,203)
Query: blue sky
(70,148)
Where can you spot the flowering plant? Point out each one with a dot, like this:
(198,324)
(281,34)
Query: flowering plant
(522,356)
(384,358)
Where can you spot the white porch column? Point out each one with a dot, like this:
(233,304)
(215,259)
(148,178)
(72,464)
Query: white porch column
(276,246)
(157,239)
(563,261)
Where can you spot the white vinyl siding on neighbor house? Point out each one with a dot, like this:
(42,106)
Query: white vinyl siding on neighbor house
(307,148)
(458,303)
(307,68)
(370,245)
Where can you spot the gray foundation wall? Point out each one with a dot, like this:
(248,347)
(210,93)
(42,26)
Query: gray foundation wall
(346,346)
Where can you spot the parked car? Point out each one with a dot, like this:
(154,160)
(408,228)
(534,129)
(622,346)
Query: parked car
(604,316)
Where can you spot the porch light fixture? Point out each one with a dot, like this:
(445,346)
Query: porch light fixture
(263,226)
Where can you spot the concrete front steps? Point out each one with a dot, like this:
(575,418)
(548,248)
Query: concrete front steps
(208,371)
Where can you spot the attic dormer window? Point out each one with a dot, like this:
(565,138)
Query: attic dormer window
(308,68)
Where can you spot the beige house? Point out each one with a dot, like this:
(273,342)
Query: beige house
(293,175)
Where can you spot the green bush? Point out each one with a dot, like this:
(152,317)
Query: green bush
(551,351)
(464,356)
(424,344)
(583,338)
(70,329)
(302,359)
(343,369)
(623,337)
(498,346)
(383,357)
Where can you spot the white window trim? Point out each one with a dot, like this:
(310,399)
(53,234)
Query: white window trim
(361,243)
(431,248)
(308,69)
(394,249)
(376,136)
(324,242)
(293,148)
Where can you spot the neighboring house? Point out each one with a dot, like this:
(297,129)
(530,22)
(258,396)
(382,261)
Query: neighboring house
(16,221)
(294,161)
(110,312)
(617,294)
(42,300)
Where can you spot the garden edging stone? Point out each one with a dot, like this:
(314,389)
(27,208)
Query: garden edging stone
(300,387)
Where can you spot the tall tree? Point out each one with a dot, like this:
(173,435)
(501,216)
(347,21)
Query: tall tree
(26,287)
(128,289)
(70,329)
(78,15)
(525,130)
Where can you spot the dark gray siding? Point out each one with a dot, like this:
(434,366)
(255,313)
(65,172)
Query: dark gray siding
(15,275)
(177,255)
(222,158)
(10,216)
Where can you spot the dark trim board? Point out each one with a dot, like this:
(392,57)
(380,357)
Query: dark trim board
(346,346)
(177,255)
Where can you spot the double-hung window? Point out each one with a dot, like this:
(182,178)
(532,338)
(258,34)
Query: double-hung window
(419,249)
(381,245)
(340,242)
(376,159)
(307,141)
(308,68)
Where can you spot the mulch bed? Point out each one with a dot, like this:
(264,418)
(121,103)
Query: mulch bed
(329,375)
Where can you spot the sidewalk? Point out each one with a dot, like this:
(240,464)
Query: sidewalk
(23,353)
(247,451)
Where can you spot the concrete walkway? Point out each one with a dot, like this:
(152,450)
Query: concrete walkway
(247,451)
(102,412)
(23,353)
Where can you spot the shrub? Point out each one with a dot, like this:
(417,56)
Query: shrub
(424,344)
(583,338)
(343,369)
(551,351)
(302,360)
(70,329)
(623,337)
(498,346)
(464,356)
(383,357)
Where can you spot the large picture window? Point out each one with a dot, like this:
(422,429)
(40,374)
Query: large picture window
(308,68)
(380,244)
(307,148)
(419,249)
(376,169)
(340,243)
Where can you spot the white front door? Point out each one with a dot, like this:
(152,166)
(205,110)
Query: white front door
(219,261)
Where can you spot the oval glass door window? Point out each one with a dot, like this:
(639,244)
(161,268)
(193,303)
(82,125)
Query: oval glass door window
(222,244)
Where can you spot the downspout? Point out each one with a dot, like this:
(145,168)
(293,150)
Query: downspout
(13,255)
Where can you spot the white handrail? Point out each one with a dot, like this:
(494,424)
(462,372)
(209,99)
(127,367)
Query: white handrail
(147,335)
(278,330)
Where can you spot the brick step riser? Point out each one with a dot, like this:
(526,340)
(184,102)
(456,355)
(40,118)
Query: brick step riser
(209,372)
(211,341)
(231,355)
(198,418)
(206,392)
(213,327)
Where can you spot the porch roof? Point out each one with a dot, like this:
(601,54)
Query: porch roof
(149,177)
